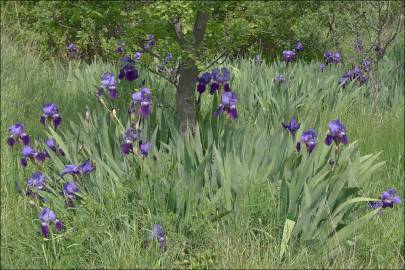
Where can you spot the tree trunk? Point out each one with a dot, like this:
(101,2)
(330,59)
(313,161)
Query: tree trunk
(188,71)
(185,105)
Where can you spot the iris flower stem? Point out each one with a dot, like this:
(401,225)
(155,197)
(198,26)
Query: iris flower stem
(112,113)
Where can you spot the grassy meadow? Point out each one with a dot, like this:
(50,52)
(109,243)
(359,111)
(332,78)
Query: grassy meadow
(242,228)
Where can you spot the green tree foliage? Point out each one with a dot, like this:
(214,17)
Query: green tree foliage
(242,28)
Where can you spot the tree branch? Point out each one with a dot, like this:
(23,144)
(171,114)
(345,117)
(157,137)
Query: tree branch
(199,27)
(176,26)
(161,75)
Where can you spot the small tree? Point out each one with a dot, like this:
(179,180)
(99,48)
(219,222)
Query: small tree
(192,32)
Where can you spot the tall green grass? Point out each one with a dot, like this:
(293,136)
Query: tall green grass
(110,229)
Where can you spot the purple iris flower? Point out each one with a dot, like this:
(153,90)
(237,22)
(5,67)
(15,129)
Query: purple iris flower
(70,169)
(50,111)
(214,88)
(69,191)
(332,57)
(356,72)
(41,155)
(346,78)
(362,80)
(143,97)
(120,47)
(16,132)
(365,65)
(72,48)
(228,104)
(150,41)
(279,79)
(138,56)
(128,69)
(46,216)
(288,56)
(387,199)
(298,46)
(51,143)
(203,81)
(108,82)
(145,148)
(309,139)
(37,181)
(27,151)
(87,167)
(337,133)
(159,234)
(322,67)
(292,126)
(131,136)
(220,77)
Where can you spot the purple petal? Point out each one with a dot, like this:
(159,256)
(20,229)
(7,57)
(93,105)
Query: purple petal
(144,110)
(10,141)
(328,139)
(23,162)
(25,138)
(126,148)
(45,229)
(42,119)
(56,120)
(233,113)
(59,225)
(201,88)
(344,139)
(113,93)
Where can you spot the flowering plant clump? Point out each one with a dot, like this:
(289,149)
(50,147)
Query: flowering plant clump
(356,74)
(36,182)
(50,112)
(47,216)
(332,57)
(143,98)
(228,104)
(131,137)
(85,168)
(28,153)
(204,80)
(158,233)
(128,70)
(69,191)
(219,79)
(72,48)
(322,67)
(337,133)
(309,139)
(17,133)
(289,56)
(51,143)
(108,82)
(292,127)
(120,47)
(298,47)
(279,79)
(387,199)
